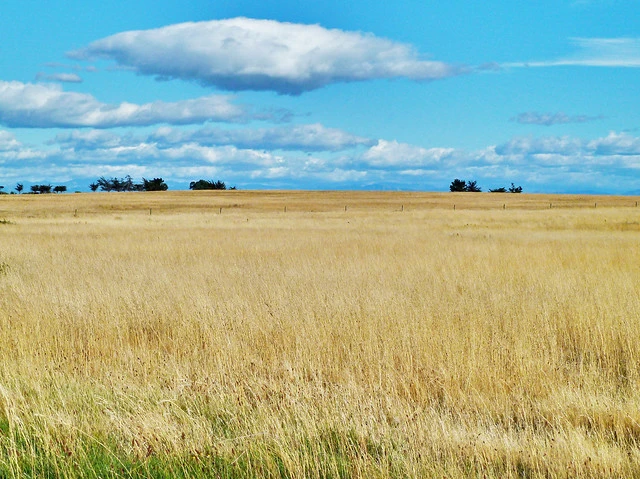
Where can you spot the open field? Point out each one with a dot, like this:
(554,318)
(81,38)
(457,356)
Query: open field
(374,335)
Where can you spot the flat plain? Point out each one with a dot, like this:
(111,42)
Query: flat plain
(319,334)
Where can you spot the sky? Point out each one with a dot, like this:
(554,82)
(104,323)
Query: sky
(310,94)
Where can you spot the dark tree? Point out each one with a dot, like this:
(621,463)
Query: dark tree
(59,189)
(207,185)
(157,184)
(502,189)
(41,189)
(94,186)
(104,184)
(515,189)
(19,187)
(457,185)
(472,187)
(117,184)
(126,183)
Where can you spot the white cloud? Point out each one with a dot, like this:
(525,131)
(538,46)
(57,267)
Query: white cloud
(225,155)
(549,119)
(529,146)
(28,105)
(248,54)
(90,139)
(616,144)
(8,141)
(391,154)
(314,137)
(611,146)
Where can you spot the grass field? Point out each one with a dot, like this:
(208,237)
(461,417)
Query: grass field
(319,334)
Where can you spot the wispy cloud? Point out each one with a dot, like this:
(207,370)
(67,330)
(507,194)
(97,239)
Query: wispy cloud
(549,119)
(26,105)
(60,77)
(248,54)
(595,52)
(74,67)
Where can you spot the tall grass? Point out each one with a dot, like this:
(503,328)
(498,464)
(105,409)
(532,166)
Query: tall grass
(491,341)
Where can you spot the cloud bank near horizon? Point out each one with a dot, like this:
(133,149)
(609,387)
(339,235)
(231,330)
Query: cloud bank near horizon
(249,54)
(608,163)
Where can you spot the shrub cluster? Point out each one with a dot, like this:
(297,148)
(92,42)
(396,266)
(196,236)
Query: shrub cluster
(512,189)
(461,185)
(209,185)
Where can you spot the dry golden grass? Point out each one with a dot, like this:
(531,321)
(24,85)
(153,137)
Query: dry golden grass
(354,335)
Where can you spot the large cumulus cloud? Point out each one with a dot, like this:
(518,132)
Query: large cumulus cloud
(249,54)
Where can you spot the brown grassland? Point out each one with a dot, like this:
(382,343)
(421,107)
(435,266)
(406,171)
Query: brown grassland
(373,335)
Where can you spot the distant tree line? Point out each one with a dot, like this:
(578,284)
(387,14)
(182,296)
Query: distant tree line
(458,185)
(120,185)
(36,189)
(127,184)
(156,184)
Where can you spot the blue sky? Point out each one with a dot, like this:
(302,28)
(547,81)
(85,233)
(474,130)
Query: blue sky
(313,94)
